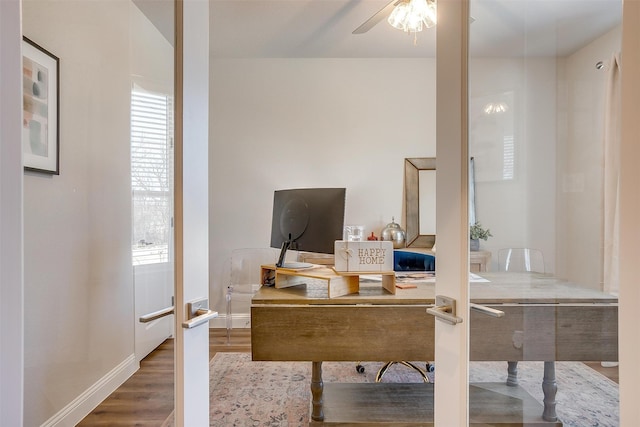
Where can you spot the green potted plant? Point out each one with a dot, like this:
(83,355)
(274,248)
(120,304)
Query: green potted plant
(476,232)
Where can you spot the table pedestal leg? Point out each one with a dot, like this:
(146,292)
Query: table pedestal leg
(549,388)
(317,387)
(512,374)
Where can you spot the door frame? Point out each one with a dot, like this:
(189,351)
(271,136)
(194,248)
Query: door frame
(11,219)
(629,297)
(451,396)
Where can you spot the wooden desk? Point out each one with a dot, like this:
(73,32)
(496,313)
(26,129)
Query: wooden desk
(545,320)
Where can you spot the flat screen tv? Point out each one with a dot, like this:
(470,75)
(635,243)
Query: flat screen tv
(307,219)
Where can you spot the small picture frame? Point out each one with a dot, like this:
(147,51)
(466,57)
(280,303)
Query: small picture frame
(40,104)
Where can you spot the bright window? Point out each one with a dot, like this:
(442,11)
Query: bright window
(151,176)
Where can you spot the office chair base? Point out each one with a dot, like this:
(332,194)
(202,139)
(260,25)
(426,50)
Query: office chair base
(387,365)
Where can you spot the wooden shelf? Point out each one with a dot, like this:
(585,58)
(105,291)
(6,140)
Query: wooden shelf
(397,404)
(337,283)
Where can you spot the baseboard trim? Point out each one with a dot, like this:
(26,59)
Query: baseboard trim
(239,321)
(86,402)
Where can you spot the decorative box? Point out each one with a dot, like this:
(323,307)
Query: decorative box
(363,256)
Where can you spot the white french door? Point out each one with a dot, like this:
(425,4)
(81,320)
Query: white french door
(538,159)
(192,214)
(452,342)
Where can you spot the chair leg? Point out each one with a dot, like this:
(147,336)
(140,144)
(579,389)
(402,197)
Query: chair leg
(229,317)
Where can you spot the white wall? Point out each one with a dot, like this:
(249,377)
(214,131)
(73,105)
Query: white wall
(554,201)
(520,210)
(151,55)
(288,123)
(78,273)
(285,123)
(581,95)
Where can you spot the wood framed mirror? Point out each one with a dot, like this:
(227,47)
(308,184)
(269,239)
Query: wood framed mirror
(419,196)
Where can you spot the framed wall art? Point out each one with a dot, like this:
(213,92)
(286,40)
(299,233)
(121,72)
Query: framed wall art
(40,102)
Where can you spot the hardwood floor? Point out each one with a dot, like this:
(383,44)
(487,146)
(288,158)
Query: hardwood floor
(146,399)
(610,372)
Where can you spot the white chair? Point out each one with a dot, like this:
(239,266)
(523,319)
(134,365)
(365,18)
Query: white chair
(521,260)
(244,280)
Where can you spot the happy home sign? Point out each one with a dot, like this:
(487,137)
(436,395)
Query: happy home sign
(363,256)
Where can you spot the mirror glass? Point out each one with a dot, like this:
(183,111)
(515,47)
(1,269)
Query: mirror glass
(419,197)
(472,191)
(427,194)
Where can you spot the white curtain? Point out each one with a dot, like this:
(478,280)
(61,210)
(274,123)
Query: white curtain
(612,175)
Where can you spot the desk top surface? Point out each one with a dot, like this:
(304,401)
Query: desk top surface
(501,288)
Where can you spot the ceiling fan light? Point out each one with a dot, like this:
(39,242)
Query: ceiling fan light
(418,7)
(413,15)
(413,24)
(399,16)
(425,10)
(495,108)
(430,16)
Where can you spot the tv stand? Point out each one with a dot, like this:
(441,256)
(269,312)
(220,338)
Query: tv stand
(283,252)
(295,265)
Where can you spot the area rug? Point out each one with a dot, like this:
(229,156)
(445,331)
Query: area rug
(277,394)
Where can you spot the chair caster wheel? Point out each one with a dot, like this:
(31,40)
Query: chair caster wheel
(430,367)
(360,369)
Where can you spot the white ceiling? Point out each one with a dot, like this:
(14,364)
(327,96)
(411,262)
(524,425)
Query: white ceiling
(323,28)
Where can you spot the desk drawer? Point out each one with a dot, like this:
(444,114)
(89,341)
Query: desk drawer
(546,332)
(350,333)
(538,332)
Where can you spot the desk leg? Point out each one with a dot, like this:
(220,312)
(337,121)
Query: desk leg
(317,387)
(549,388)
(512,374)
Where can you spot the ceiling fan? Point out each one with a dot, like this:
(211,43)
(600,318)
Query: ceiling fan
(407,15)
(377,17)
